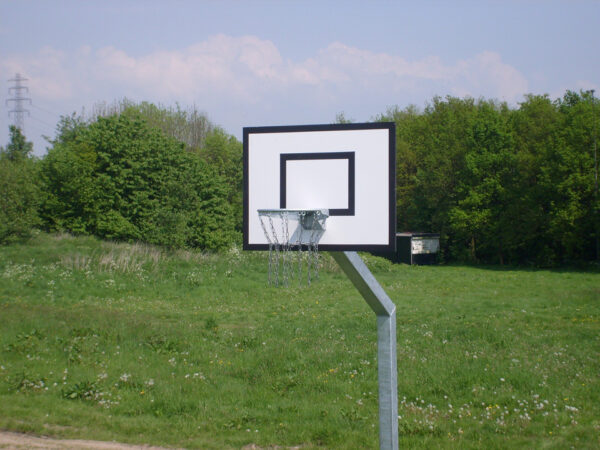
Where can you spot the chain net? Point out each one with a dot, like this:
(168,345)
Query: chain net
(293,230)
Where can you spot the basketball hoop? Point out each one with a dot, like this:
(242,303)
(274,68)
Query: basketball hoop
(349,169)
(297,229)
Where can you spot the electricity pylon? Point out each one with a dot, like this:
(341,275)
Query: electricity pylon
(18,91)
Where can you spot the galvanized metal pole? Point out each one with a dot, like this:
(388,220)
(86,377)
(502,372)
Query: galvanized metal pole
(362,278)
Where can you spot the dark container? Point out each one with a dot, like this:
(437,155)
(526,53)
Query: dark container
(415,248)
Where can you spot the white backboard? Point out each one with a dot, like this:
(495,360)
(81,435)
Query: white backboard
(348,169)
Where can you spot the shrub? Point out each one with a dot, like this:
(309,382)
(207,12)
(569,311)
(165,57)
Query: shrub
(19,198)
(119,178)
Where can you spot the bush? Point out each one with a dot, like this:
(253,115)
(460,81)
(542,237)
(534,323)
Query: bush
(119,178)
(19,199)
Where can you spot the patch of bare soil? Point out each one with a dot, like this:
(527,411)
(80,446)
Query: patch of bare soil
(10,440)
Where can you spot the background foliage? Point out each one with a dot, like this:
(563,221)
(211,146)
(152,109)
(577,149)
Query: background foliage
(500,184)
(120,178)
(19,193)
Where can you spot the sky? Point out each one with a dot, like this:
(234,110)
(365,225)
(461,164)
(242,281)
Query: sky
(263,63)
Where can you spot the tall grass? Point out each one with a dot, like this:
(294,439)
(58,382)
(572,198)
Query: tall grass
(138,344)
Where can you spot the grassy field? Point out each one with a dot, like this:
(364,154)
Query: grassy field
(140,345)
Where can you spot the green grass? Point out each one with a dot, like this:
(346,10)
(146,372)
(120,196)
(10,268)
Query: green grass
(136,344)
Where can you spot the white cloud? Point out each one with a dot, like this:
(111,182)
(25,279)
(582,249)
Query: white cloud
(248,68)
(242,81)
(229,65)
(486,74)
(364,63)
(47,72)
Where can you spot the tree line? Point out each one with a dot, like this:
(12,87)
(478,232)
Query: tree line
(501,185)
(130,172)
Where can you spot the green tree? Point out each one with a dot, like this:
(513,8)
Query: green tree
(18,148)
(223,153)
(189,126)
(478,218)
(572,171)
(19,191)
(120,178)
(342,118)
(441,150)
(499,184)
(535,124)
(410,126)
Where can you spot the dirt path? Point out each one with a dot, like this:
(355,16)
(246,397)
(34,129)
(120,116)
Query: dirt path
(10,440)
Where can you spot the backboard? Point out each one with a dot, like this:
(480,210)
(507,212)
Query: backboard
(347,169)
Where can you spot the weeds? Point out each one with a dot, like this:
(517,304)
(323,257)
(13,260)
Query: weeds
(195,350)
(83,390)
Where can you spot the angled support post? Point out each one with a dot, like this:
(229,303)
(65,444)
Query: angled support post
(364,281)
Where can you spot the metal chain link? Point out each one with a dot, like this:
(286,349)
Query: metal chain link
(281,270)
(285,247)
(262,224)
(300,228)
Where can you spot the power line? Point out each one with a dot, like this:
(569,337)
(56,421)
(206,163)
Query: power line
(47,111)
(43,122)
(18,91)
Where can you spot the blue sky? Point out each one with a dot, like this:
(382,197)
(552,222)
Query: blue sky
(250,63)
